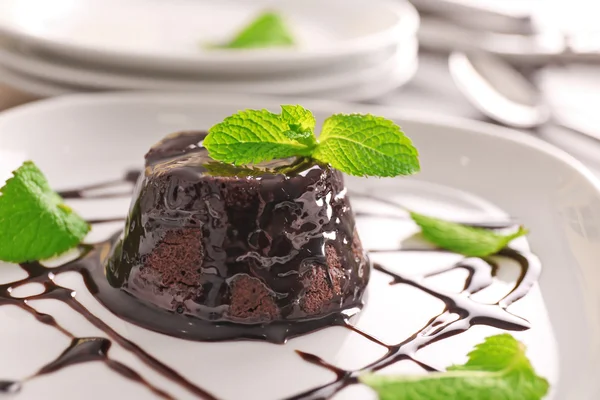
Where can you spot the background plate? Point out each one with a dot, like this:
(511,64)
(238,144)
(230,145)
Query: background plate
(140,33)
(370,69)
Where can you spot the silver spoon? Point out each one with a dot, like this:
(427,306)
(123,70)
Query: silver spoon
(501,93)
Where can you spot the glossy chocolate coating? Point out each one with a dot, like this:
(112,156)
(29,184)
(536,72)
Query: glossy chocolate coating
(272,243)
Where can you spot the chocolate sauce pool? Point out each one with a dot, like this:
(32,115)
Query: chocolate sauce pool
(481,274)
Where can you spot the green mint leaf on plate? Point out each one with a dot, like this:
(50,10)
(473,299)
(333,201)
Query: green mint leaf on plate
(362,145)
(35,224)
(267,30)
(366,145)
(497,369)
(466,240)
(253,136)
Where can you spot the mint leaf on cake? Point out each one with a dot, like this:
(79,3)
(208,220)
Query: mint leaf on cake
(462,239)
(357,144)
(497,369)
(269,29)
(253,136)
(35,223)
(299,118)
(302,124)
(366,145)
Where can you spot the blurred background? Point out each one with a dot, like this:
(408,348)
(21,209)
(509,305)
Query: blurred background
(533,65)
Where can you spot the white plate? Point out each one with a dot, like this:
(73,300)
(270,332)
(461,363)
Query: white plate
(85,138)
(367,70)
(166,34)
(370,87)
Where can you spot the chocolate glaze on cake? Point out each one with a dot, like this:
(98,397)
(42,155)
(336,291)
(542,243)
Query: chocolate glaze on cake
(249,246)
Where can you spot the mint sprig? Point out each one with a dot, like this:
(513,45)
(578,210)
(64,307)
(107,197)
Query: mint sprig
(462,239)
(35,224)
(497,369)
(362,145)
(267,30)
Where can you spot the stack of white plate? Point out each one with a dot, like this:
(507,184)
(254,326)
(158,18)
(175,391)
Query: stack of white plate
(345,49)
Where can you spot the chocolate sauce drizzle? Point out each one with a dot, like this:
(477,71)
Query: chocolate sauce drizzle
(460,314)
(95,349)
(85,349)
(130,177)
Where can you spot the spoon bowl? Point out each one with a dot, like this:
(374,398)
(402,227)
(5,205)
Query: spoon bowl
(501,93)
(498,90)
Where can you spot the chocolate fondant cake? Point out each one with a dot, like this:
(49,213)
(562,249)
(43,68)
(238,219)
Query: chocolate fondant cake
(246,245)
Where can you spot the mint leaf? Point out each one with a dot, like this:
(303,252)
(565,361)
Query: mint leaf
(252,136)
(302,124)
(305,137)
(366,145)
(267,30)
(497,369)
(299,118)
(355,144)
(35,224)
(472,242)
